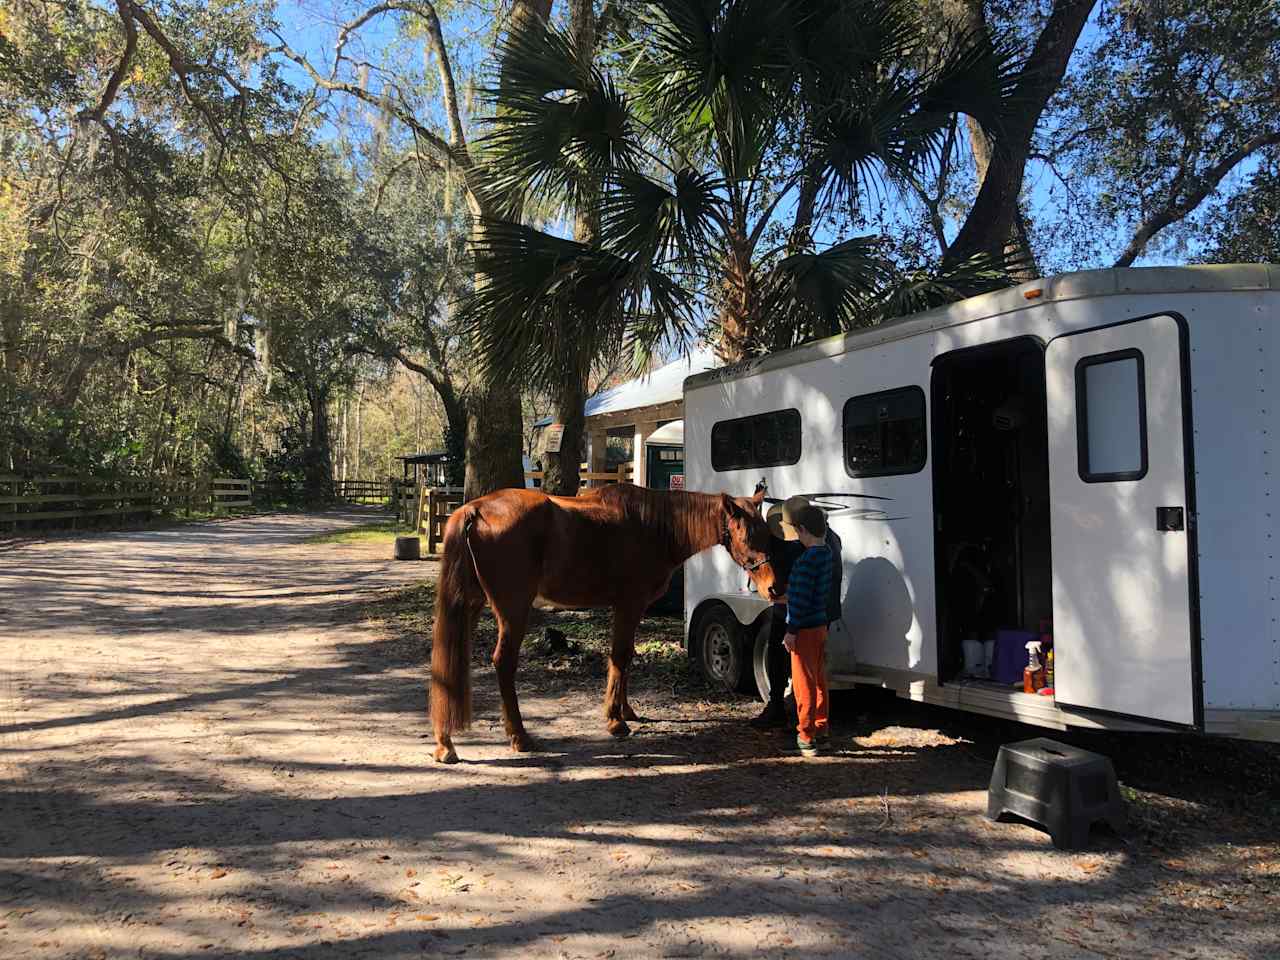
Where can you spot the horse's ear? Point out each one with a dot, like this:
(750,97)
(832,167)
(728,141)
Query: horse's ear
(727,505)
(758,497)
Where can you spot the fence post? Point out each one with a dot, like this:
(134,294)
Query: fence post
(431,520)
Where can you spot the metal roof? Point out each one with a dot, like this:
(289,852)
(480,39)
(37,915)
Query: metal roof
(658,386)
(431,456)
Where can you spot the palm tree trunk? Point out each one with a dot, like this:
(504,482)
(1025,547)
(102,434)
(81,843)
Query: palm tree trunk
(741,330)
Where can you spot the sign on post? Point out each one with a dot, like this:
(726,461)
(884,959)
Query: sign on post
(552,437)
(677,481)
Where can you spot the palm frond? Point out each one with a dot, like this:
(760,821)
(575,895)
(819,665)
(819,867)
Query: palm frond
(976,73)
(812,295)
(920,290)
(541,304)
(716,73)
(649,221)
(560,122)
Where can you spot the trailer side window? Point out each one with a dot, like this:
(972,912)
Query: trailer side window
(764,440)
(1111,417)
(884,433)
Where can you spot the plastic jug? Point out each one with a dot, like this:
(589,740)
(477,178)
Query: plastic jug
(975,658)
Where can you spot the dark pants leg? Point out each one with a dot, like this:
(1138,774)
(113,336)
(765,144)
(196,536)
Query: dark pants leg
(777,660)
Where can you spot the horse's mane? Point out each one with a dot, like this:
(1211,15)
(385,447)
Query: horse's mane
(682,522)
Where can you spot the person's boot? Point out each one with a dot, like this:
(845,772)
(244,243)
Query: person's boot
(772,717)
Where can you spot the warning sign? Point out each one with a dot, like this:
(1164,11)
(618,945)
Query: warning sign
(677,481)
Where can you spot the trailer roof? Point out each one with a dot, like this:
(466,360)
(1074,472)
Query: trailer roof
(1056,289)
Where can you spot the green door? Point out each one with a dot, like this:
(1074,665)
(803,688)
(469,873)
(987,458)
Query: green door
(664,464)
(664,470)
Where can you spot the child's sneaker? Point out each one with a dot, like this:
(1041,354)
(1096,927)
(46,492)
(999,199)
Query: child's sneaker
(822,737)
(807,748)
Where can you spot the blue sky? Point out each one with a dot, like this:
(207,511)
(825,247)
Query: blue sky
(311,25)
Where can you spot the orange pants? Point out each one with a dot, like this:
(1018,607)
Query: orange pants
(809,680)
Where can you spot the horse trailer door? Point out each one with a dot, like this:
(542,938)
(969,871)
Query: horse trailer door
(1123,635)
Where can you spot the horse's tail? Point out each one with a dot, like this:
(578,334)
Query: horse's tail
(459,597)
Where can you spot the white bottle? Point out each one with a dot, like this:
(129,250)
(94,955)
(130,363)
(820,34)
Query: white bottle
(975,661)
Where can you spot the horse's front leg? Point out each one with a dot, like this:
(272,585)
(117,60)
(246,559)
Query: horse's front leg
(616,709)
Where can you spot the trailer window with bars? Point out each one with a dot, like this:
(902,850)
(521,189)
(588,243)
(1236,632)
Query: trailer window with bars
(884,433)
(763,440)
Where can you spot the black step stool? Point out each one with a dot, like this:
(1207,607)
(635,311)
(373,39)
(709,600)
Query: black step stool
(1064,789)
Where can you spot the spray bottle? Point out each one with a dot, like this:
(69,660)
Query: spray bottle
(1033,675)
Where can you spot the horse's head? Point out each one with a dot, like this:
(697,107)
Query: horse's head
(746,537)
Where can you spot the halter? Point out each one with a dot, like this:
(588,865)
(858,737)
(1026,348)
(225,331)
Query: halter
(727,544)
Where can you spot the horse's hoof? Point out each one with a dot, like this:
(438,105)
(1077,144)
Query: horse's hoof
(619,729)
(522,743)
(446,755)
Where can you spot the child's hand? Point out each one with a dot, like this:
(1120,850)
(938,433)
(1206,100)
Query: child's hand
(789,641)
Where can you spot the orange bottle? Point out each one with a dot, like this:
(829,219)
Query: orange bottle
(1033,675)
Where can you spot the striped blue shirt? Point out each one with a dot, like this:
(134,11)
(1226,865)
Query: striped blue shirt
(807,589)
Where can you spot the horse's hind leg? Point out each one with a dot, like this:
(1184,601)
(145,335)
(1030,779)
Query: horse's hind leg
(506,657)
(628,713)
(616,709)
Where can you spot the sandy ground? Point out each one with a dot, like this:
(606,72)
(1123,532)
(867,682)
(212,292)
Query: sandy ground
(207,749)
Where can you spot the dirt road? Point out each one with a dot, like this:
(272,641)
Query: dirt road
(209,749)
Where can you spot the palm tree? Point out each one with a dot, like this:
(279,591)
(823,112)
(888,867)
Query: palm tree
(728,114)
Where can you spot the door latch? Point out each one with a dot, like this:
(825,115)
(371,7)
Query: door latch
(1169,519)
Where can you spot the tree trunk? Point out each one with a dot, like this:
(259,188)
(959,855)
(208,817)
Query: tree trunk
(494,429)
(993,218)
(562,476)
(562,468)
(494,419)
(359,431)
(317,467)
(739,313)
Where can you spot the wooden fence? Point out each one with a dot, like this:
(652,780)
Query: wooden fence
(587,478)
(435,504)
(70,502)
(362,490)
(28,500)
(225,492)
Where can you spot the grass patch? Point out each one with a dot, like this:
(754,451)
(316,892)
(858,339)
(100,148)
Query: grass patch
(382,532)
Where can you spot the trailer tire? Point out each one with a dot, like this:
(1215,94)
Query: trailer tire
(760,660)
(721,648)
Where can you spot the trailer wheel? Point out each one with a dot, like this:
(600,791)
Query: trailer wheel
(760,660)
(721,649)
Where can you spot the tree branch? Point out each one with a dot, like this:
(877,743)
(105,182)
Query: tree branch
(434,141)
(98,113)
(1175,209)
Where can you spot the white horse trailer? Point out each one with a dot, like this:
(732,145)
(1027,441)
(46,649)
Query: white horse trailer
(1098,450)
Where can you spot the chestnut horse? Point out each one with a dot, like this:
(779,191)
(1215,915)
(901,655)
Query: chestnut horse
(616,547)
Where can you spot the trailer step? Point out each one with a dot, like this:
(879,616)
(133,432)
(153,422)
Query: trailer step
(845,681)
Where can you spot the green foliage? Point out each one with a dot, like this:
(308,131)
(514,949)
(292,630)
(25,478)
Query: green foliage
(1170,107)
(1245,228)
(723,112)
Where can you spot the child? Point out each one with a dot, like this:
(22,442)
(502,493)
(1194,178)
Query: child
(808,589)
(783,553)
